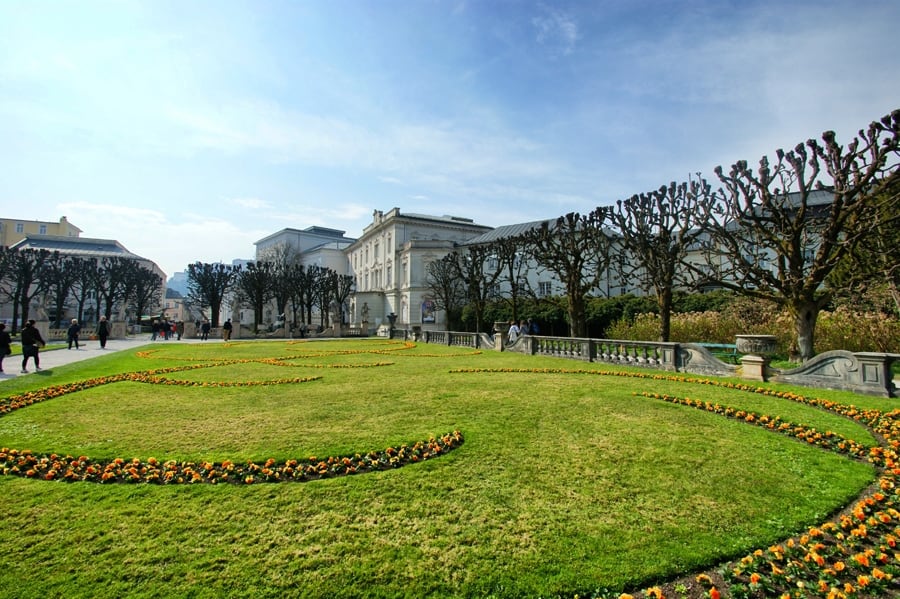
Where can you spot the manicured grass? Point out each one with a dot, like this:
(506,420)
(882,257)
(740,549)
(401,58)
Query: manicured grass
(566,482)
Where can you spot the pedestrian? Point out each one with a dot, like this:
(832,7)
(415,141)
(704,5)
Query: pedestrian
(72,333)
(226,330)
(179,329)
(154,329)
(204,330)
(103,331)
(5,344)
(513,333)
(31,342)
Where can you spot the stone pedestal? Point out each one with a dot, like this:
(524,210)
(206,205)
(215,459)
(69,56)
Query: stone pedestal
(755,368)
(500,331)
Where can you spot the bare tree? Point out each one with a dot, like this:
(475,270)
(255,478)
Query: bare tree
(111,281)
(656,230)
(208,284)
(785,227)
(83,285)
(576,249)
(144,290)
(512,255)
(479,271)
(294,281)
(63,274)
(254,282)
(283,257)
(342,286)
(26,279)
(874,265)
(447,288)
(308,289)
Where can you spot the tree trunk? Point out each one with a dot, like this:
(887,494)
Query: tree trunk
(577,324)
(805,315)
(664,298)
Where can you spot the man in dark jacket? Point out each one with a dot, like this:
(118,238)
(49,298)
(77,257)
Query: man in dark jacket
(31,342)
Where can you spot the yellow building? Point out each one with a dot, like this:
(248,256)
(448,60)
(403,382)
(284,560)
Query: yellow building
(14,230)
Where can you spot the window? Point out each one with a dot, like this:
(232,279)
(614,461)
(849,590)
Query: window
(43,230)
(20,228)
(544,288)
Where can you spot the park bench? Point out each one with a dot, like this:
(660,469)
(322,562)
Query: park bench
(724,351)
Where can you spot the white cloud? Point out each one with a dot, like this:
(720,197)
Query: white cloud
(556,30)
(172,243)
(249,203)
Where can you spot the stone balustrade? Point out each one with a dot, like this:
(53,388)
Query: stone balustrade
(868,373)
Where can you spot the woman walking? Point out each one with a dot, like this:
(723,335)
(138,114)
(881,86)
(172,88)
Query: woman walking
(72,333)
(31,342)
(103,331)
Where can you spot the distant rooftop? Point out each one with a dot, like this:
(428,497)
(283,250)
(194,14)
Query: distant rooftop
(507,231)
(76,246)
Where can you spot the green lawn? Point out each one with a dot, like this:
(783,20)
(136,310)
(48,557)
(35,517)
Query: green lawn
(565,483)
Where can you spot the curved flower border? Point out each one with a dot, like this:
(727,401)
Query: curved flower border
(25,463)
(72,469)
(856,555)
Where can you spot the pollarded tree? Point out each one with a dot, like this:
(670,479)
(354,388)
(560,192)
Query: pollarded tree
(512,255)
(479,273)
(208,284)
(295,279)
(655,231)
(144,290)
(254,283)
(875,263)
(284,258)
(63,274)
(447,289)
(111,281)
(576,248)
(342,286)
(25,279)
(784,228)
(308,289)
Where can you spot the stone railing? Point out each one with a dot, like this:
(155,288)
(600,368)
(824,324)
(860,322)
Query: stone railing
(867,373)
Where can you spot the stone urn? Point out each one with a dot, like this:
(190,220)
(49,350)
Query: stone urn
(758,345)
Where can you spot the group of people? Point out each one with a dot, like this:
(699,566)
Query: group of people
(523,327)
(73,333)
(32,341)
(166,329)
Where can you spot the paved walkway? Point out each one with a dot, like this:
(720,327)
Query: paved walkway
(50,359)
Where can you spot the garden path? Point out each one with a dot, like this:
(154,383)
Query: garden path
(50,359)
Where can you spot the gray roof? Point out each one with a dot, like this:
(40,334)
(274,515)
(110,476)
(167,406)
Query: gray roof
(507,231)
(83,246)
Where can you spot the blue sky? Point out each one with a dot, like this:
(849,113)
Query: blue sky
(190,130)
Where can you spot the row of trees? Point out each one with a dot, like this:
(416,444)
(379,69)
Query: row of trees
(816,219)
(64,282)
(279,277)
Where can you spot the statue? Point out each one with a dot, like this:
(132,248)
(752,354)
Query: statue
(365,312)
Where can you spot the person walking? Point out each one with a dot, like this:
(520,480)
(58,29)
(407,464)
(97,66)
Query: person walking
(72,333)
(204,330)
(5,344)
(513,333)
(179,329)
(226,330)
(103,331)
(31,342)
